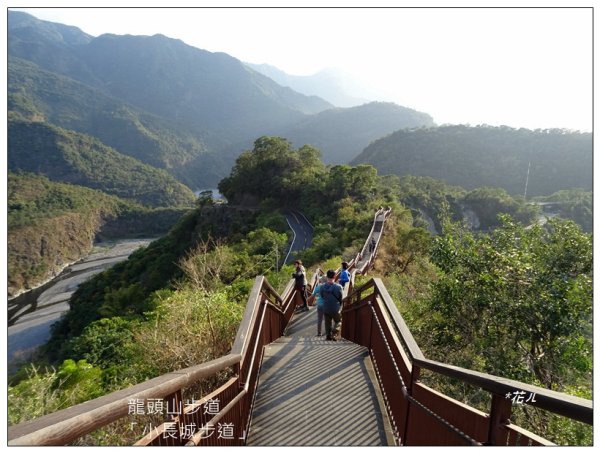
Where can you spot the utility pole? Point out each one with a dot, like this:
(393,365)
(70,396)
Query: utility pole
(527,180)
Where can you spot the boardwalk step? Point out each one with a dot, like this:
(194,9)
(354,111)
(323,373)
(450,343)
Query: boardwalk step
(317,392)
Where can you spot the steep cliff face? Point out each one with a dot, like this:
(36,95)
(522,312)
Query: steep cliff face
(51,225)
(41,251)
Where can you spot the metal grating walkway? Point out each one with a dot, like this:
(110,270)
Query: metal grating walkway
(317,392)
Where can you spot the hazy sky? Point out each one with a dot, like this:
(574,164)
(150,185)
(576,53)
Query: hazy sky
(521,67)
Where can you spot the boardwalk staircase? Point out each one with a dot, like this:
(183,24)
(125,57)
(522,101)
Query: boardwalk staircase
(282,385)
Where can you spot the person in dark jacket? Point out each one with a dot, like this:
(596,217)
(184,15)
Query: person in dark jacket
(319,304)
(331,292)
(372,245)
(300,277)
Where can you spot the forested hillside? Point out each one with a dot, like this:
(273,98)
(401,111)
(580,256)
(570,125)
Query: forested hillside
(49,226)
(575,204)
(342,134)
(53,224)
(172,105)
(264,180)
(129,130)
(67,156)
(479,208)
(482,156)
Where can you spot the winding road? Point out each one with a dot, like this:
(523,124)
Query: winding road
(302,234)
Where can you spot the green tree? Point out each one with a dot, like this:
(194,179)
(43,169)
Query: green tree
(104,342)
(78,381)
(516,302)
(274,171)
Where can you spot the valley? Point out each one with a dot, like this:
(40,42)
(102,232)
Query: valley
(31,314)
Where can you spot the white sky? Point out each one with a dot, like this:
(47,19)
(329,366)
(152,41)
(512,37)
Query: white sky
(521,67)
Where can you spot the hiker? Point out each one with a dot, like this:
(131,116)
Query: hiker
(372,245)
(344,275)
(331,292)
(300,277)
(319,304)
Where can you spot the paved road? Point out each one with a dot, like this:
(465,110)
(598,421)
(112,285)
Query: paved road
(302,234)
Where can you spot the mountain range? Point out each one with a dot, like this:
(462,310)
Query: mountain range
(168,104)
(344,133)
(191,112)
(521,161)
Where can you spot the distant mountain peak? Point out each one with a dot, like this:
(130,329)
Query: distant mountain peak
(327,84)
(25,25)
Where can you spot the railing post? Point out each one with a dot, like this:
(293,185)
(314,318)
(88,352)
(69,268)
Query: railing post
(237,370)
(175,401)
(370,329)
(499,416)
(356,326)
(414,377)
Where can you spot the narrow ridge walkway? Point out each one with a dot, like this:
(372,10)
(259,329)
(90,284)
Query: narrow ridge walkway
(376,233)
(317,392)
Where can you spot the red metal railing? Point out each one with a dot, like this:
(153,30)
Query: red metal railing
(423,416)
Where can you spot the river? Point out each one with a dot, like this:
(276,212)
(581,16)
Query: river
(31,314)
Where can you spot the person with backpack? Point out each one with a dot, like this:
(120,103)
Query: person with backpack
(319,303)
(300,277)
(331,292)
(344,275)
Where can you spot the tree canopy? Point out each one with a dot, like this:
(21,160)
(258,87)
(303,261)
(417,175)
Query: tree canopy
(519,300)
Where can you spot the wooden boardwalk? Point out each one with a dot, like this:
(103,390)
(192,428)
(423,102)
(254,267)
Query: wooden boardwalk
(317,392)
(376,233)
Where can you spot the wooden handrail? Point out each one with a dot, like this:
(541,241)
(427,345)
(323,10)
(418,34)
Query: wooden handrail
(398,320)
(288,295)
(266,285)
(240,343)
(573,407)
(64,426)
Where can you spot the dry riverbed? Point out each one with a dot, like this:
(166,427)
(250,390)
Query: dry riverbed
(32,314)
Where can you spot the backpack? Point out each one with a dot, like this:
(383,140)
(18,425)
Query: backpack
(327,294)
(344,276)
